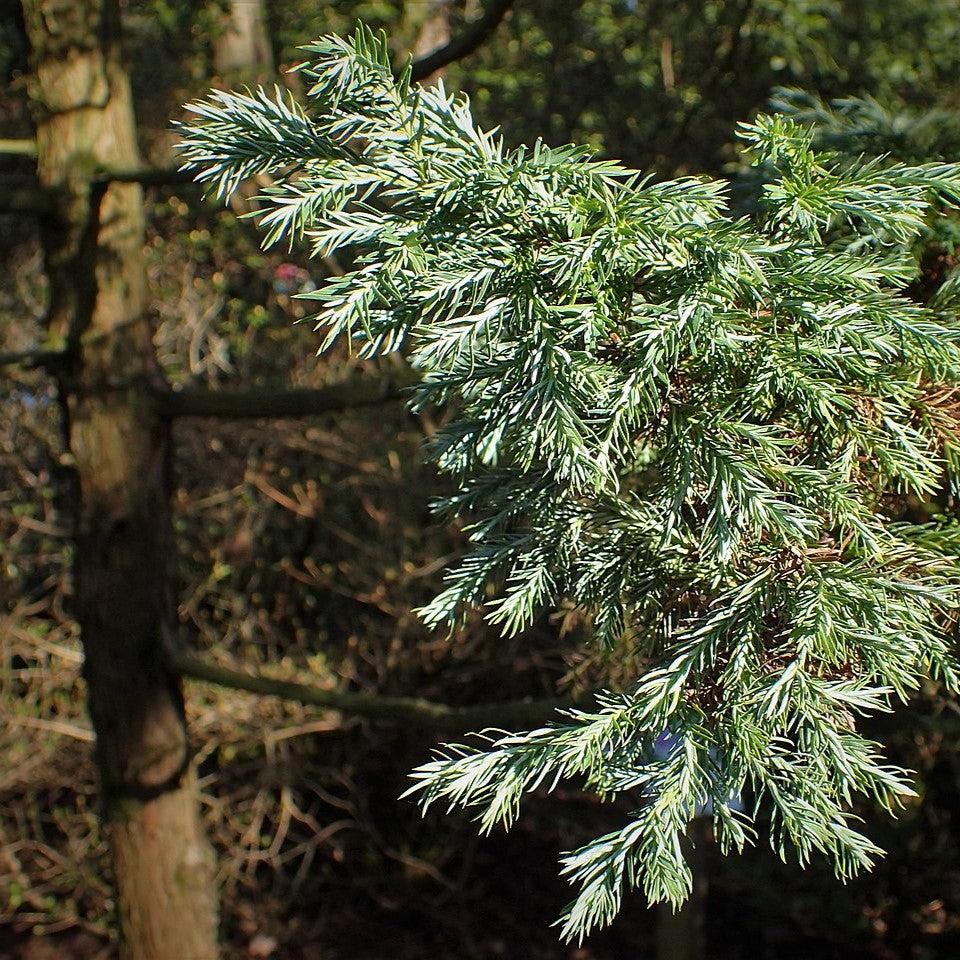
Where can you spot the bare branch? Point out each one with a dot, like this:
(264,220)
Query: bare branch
(266,403)
(146,176)
(412,711)
(33,200)
(18,148)
(464,44)
(29,359)
(55,726)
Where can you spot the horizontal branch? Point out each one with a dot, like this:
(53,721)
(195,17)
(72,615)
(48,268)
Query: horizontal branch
(147,176)
(411,711)
(463,45)
(18,148)
(265,402)
(34,200)
(62,727)
(30,359)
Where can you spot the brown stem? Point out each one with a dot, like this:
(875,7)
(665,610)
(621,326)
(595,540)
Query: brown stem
(18,148)
(30,359)
(412,711)
(266,403)
(145,176)
(465,43)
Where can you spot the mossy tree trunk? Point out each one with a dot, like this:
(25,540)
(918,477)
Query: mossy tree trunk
(119,446)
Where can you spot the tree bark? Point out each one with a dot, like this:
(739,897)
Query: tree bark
(119,443)
(680,933)
(244,45)
(465,43)
(433,33)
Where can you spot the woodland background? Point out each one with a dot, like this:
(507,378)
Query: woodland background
(303,545)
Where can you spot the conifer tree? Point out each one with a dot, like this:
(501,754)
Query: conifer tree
(692,424)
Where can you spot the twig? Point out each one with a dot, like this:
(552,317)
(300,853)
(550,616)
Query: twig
(34,200)
(55,726)
(29,359)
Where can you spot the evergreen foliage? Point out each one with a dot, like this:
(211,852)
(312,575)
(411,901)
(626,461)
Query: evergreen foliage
(862,125)
(662,85)
(693,425)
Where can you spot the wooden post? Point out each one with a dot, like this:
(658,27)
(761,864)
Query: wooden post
(119,445)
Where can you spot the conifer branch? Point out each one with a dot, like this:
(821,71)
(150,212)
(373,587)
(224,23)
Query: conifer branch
(688,424)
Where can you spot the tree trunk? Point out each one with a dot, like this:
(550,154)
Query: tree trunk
(681,934)
(433,31)
(119,447)
(244,45)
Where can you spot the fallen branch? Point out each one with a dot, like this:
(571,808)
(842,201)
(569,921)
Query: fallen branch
(513,714)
